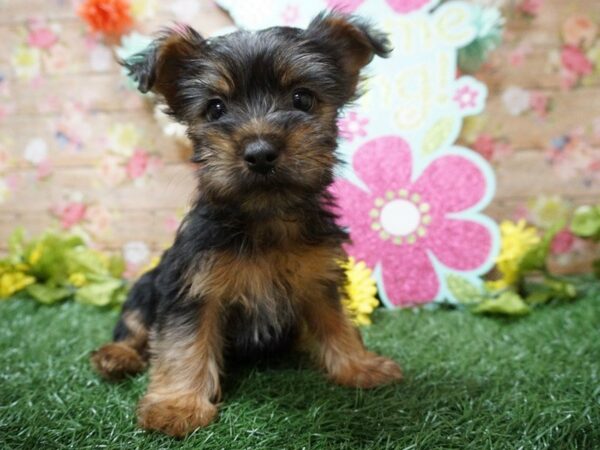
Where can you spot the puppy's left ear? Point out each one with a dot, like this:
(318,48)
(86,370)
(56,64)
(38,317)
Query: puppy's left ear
(351,40)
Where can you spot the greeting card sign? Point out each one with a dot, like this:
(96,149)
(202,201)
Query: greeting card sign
(410,197)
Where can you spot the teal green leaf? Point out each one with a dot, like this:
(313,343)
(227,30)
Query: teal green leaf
(48,294)
(508,304)
(463,290)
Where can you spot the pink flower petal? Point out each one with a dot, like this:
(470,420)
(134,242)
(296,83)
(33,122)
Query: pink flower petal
(451,183)
(353,208)
(460,244)
(409,277)
(383,164)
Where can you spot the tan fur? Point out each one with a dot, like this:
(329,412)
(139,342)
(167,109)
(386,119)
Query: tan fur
(138,334)
(184,378)
(116,360)
(339,348)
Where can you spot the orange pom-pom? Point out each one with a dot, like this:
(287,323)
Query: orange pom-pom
(107,16)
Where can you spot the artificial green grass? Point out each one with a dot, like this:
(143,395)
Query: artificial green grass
(471,383)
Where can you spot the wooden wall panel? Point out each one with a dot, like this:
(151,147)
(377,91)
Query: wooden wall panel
(142,212)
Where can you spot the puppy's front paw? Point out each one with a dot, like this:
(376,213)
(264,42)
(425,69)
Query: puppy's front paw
(175,416)
(116,360)
(368,372)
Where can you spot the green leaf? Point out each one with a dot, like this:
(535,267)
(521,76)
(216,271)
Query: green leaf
(48,294)
(439,135)
(463,290)
(52,257)
(101,293)
(596,266)
(586,222)
(538,297)
(509,304)
(16,245)
(536,257)
(86,261)
(116,266)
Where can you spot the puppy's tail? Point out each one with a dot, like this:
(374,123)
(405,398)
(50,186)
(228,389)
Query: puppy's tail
(128,353)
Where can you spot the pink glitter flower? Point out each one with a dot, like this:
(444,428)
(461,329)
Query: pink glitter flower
(137,164)
(352,126)
(574,60)
(401,224)
(466,97)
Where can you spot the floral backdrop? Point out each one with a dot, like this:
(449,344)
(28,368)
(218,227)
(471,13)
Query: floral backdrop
(81,151)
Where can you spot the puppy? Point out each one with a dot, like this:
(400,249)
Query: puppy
(255,266)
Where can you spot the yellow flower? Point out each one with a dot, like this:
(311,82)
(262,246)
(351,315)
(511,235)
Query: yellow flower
(77,279)
(151,265)
(360,300)
(35,254)
(517,240)
(13,281)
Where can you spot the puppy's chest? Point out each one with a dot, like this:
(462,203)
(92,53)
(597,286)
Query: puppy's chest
(261,294)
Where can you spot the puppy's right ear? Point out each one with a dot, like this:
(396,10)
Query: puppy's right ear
(165,61)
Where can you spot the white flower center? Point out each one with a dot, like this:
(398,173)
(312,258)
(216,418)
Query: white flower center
(400,217)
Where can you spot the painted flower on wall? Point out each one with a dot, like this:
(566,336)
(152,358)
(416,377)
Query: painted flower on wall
(579,31)
(400,6)
(405,222)
(516,100)
(26,62)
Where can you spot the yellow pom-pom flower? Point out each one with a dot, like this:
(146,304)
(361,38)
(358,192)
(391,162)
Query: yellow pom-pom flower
(360,300)
(517,240)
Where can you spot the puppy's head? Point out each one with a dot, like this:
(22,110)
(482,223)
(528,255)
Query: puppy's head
(261,107)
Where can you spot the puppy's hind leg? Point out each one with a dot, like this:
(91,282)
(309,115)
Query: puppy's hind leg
(128,353)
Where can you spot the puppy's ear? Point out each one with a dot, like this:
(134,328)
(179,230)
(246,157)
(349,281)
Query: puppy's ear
(352,40)
(165,61)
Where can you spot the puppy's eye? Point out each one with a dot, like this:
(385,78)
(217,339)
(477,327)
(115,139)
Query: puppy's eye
(303,100)
(215,110)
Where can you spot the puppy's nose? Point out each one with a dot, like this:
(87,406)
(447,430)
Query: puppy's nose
(261,156)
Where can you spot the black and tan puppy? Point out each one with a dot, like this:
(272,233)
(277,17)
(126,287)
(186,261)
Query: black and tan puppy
(255,264)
